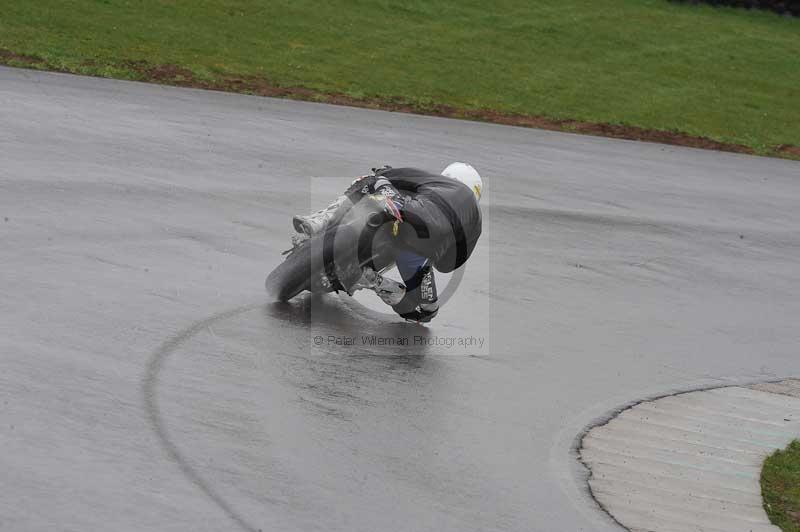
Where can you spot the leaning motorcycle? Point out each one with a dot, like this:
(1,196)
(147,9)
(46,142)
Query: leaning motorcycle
(358,236)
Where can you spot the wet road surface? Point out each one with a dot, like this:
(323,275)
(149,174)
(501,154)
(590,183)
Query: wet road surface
(148,384)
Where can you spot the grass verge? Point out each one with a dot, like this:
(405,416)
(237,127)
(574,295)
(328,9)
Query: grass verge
(780,487)
(640,69)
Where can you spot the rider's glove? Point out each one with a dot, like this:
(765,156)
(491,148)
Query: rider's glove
(393,201)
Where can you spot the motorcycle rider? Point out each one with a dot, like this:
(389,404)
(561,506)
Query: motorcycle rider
(437,223)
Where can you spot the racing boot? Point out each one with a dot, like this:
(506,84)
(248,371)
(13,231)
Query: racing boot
(316,222)
(390,291)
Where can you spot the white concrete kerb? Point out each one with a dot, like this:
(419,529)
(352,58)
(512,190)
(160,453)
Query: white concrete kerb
(692,461)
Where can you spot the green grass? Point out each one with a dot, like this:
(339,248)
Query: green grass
(780,487)
(731,75)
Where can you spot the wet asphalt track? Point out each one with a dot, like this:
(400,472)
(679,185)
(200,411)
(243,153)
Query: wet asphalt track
(147,384)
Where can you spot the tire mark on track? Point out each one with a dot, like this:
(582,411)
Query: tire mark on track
(150,393)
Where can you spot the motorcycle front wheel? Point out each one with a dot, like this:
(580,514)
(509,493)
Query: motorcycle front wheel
(292,276)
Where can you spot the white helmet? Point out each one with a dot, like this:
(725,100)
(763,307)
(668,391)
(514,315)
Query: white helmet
(467,175)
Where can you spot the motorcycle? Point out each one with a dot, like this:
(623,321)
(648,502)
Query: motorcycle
(357,237)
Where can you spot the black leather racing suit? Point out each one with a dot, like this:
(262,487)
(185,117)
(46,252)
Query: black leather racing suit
(441,226)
